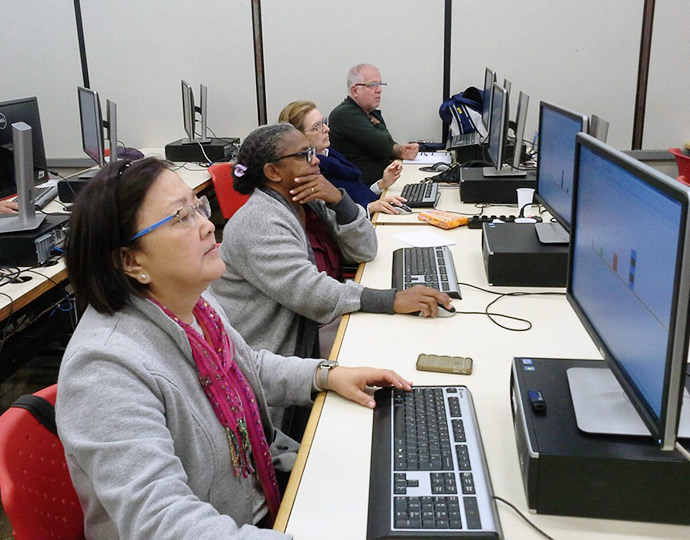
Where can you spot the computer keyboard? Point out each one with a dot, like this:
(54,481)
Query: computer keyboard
(429,477)
(422,195)
(430,266)
(465,139)
(43,195)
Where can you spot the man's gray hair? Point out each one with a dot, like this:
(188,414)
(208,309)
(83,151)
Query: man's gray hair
(354,76)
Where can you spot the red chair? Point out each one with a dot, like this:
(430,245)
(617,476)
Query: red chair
(229,200)
(35,486)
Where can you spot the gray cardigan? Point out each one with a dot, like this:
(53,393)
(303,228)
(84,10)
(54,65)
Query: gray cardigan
(145,450)
(272,291)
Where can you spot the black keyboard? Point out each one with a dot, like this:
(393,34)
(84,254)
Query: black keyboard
(430,266)
(422,195)
(429,477)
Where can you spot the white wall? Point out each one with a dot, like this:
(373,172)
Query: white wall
(582,55)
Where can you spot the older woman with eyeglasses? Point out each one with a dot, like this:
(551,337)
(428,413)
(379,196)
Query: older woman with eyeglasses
(162,406)
(335,167)
(283,248)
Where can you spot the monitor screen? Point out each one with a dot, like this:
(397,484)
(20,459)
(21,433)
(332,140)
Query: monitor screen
(91,124)
(20,110)
(558,128)
(489,80)
(629,277)
(499,125)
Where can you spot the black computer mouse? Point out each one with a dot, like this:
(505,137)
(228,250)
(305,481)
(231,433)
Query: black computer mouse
(442,311)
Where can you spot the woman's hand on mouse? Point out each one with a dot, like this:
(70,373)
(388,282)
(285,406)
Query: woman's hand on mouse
(387,205)
(421,299)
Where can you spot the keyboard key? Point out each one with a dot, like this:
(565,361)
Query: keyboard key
(472,513)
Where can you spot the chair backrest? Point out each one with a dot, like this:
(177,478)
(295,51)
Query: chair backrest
(36,490)
(229,200)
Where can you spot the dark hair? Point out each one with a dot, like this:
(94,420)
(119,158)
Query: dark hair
(263,145)
(103,220)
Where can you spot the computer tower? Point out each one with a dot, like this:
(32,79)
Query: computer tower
(514,256)
(568,472)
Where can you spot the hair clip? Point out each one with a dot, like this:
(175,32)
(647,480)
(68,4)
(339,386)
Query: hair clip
(240,170)
(123,168)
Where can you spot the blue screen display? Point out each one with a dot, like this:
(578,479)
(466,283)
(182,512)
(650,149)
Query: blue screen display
(625,254)
(555,171)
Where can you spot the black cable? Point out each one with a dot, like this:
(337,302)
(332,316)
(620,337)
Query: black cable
(523,516)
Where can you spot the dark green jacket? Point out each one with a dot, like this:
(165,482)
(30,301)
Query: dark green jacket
(369,146)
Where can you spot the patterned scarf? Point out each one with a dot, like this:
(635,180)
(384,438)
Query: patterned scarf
(232,399)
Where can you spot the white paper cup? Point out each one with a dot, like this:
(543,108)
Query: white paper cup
(524,197)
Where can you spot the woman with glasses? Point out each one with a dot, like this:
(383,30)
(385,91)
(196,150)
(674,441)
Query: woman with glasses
(335,167)
(283,248)
(162,406)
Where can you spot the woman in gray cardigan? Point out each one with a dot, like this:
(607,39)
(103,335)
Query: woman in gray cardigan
(162,407)
(278,245)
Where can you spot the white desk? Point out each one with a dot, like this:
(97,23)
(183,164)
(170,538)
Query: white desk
(332,498)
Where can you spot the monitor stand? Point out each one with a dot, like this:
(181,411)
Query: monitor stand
(506,170)
(602,407)
(551,233)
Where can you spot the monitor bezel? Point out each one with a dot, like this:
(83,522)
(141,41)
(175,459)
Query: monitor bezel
(520,123)
(188,110)
(486,107)
(537,195)
(99,158)
(664,429)
(502,128)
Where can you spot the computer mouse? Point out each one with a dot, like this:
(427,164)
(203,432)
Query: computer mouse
(402,208)
(443,311)
(436,167)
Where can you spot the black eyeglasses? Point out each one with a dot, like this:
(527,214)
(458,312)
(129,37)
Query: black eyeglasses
(373,85)
(307,154)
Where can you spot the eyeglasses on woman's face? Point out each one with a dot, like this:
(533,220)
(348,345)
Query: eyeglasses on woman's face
(185,215)
(372,85)
(319,126)
(307,154)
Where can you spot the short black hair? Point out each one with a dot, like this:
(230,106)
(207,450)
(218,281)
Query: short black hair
(104,218)
(263,145)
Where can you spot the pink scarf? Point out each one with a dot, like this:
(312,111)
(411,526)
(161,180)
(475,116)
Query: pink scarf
(232,399)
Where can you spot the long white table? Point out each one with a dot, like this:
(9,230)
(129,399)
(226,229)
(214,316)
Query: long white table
(328,493)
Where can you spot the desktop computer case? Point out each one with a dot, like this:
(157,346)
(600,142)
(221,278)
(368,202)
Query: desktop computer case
(514,257)
(571,473)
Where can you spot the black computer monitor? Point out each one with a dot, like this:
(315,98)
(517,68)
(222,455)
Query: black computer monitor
(189,110)
(520,123)
(558,128)
(11,112)
(91,121)
(499,125)
(629,278)
(489,80)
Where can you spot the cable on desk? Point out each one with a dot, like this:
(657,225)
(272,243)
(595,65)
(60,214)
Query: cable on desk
(500,295)
(683,451)
(523,516)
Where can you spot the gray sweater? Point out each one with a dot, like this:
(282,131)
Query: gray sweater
(147,455)
(272,291)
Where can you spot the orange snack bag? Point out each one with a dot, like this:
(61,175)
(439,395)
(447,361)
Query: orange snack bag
(444,220)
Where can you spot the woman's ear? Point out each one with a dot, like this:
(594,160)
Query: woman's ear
(272,172)
(132,265)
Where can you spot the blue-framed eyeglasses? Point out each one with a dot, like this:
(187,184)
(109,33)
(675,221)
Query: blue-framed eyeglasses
(372,85)
(318,126)
(185,215)
(307,154)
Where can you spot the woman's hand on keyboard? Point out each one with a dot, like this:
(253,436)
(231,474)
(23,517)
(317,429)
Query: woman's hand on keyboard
(422,299)
(351,383)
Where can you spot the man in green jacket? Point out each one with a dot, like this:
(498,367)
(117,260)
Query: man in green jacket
(358,130)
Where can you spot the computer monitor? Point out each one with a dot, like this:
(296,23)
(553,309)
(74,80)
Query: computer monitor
(189,111)
(11,112)
(598,127)
(489,80)
(91,121)
(558,128)
(520,123)
(629,280)
(499,125)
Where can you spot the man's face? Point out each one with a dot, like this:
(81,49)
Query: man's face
(368,97)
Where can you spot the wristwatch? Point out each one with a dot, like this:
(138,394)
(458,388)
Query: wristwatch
(322,373)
